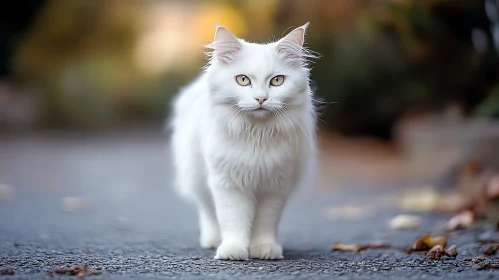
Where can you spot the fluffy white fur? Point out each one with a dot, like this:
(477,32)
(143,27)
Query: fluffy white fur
(236,159)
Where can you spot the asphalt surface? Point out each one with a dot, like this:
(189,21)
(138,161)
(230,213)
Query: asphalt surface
(133,226)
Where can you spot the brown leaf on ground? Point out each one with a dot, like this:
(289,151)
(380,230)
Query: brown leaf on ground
(405,222)
(452,251)
(463,220)
(349,247)
(491,250)
(358,248)
(427,242)
(435,253)
(7,271)
(92,272)
(479,264)
(80,272)
(438,251)
(379,245)
(476,260)
(487,265)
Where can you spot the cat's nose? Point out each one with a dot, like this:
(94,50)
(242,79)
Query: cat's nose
(261,99)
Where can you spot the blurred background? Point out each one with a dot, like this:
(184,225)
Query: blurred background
(414,82)
(103,65)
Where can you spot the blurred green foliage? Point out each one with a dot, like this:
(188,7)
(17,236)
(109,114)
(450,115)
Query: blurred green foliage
(397,56)
(379,58)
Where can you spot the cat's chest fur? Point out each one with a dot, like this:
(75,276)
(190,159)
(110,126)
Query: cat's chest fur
(265,165)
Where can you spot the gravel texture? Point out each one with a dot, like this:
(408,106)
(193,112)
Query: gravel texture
(132,225)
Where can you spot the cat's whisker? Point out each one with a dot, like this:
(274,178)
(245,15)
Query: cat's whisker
(309,129)
(227,114)
(282,123)
(292,126)
(315,100)
(285,113)
(232,111)
(322,120)
(274,111)
(324,102)
(236,110)
(308,135)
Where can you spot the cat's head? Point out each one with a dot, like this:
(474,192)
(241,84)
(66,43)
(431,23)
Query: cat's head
(259,81)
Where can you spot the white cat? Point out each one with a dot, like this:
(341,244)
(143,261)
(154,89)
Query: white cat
(243,139)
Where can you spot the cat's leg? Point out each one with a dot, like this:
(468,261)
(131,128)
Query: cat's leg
(197,190)
(208,223)
(264,236)
(235,211)
(191,183)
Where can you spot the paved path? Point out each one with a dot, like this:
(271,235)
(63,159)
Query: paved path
(134,227)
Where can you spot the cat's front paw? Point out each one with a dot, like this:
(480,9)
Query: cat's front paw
(266,251)
(231,251)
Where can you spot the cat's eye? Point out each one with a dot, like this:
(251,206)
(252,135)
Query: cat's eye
(277,81)
(243,80)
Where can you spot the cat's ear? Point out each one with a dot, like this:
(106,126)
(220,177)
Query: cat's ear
(292,44)
(225,45)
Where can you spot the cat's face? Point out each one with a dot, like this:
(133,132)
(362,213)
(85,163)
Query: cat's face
(258,80)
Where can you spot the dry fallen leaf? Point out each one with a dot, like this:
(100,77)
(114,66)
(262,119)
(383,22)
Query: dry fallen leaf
(7,271)
(80,272)
(358,248)
(379,245)
(73,204)
(491,250)
(487,265)
(422,200)
(427,242)
(349,247)
(438,251)
(463,220)
(405,222)
(452,251)
(435,253)
(479,265)
(476,260)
